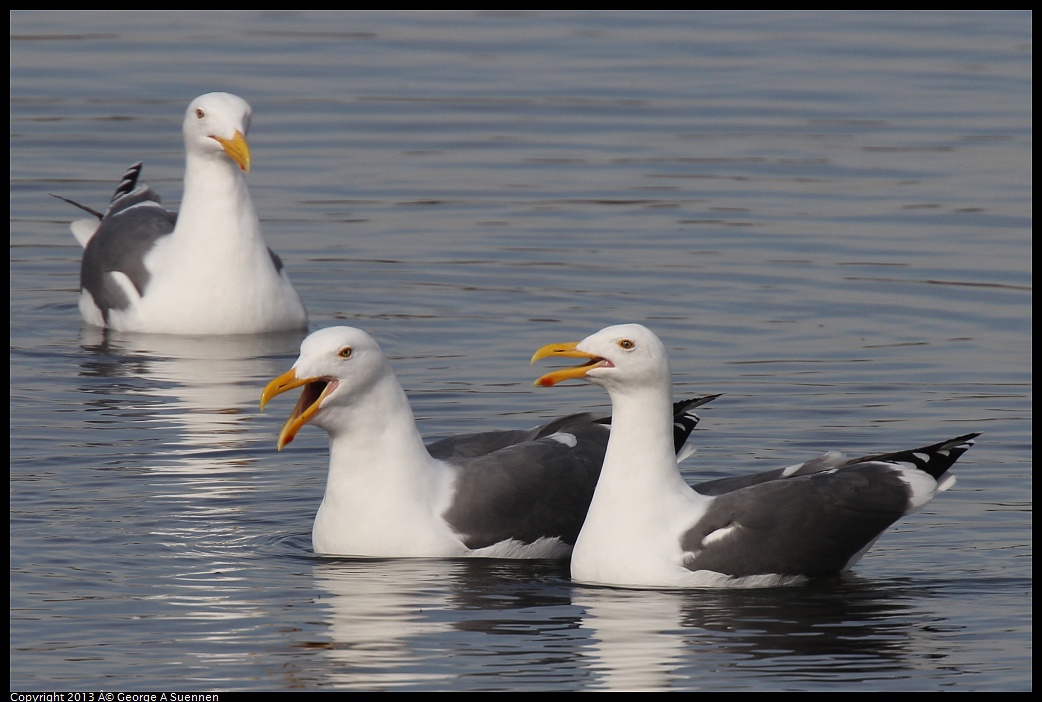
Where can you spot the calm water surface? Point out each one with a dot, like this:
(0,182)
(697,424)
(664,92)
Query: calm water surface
(827,218)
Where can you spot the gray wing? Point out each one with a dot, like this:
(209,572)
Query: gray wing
(812,524)
(535,483)
(537,488)
(935,459)
(482,443)
(129,228)
(719,486)
(477,444)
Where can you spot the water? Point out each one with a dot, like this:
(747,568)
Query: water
(826,216)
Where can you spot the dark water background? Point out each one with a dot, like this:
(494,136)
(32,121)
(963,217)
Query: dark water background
(826,216)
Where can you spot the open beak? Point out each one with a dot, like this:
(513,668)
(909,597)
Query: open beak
(315,390)
(567,350)
(236,148)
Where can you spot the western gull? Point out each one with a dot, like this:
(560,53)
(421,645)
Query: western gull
(496,494)
(646,528)
(204,270)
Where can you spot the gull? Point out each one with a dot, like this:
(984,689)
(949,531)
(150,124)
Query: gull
(204,270)
(647,528)
(498,494)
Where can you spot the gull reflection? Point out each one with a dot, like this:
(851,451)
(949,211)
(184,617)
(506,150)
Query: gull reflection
(378,612)
(205,388)
(427,623)
(183,410)
(657,640)
(635,644)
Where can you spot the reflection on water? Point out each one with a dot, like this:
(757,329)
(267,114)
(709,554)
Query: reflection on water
(827,217)
(661,641)
(635,642)
(376,611)
(388,620)
(206,389)
(385,623)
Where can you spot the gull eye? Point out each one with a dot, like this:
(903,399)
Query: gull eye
(626,344)
(199,113)
(345,352)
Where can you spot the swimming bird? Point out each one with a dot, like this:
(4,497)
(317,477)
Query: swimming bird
(499,494)
(203,270)
(646,528)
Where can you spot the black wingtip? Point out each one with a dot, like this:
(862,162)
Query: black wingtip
(128,182)
(684,420)
(934,459)
(126,186)
(681,406)
(76,204)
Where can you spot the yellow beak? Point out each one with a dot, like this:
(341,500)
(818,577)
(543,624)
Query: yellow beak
(315,390)
(565,350)
(236,148)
